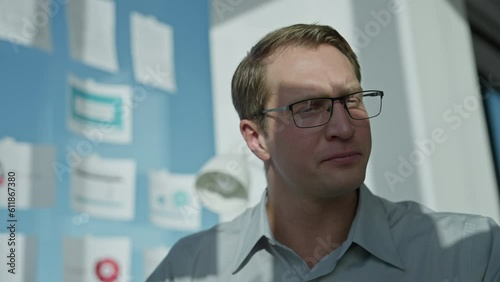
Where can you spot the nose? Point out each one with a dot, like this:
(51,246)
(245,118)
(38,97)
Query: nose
(340,124)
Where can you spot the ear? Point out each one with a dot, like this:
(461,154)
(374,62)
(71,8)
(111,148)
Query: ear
(254,138)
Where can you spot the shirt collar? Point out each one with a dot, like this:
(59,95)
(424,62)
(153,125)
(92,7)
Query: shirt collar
(370,230)
(258,227)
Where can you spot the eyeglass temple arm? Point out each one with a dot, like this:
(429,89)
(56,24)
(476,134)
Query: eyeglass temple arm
(285,108)
(375,94)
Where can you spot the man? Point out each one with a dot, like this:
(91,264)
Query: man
(304,114)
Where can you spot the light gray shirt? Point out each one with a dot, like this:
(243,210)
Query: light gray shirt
(387,242)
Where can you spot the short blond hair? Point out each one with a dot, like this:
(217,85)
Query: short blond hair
(249,88)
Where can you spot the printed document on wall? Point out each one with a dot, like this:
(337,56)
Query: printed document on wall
(92,33)
(30,168)
(153,52)
(26,23)
(100,112)
(104,187)
(93,259)
(173,201)
(18,260)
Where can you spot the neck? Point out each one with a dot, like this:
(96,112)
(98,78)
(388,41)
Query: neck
(311,227)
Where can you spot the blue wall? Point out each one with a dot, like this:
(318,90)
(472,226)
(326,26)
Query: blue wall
(173,131)
(492,102)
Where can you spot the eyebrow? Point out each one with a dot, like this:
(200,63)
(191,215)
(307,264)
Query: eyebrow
(352,89)
(311,92)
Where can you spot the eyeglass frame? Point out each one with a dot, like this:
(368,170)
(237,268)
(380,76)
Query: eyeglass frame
(379,93)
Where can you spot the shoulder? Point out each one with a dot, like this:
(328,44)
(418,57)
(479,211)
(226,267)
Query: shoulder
(472,241)
(204,251)
(408,213)
(226,233)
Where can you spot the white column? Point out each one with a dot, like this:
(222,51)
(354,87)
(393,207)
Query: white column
(436,39)
(432,135)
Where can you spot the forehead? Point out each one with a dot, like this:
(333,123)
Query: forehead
(303,72)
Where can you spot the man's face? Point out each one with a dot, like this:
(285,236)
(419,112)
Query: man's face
(321,162)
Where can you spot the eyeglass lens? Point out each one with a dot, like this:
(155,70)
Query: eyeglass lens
(316,112)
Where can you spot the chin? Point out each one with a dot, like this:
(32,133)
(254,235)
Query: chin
(337,188)
(330,192)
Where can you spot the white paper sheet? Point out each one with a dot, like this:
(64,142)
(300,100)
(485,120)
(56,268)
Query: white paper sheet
(97,259)
(22,261)
(27,22)
(173,201)
(152,258)
(92,28)
(104,187)
(100,112)
(34,184)
(153,52)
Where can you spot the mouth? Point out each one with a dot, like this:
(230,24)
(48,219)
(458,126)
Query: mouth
(344,158)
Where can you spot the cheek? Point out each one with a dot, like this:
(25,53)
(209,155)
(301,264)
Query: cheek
(363,133)
(303,149)
(280,124)
(295,144)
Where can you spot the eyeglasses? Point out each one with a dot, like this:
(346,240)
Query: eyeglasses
(318,111)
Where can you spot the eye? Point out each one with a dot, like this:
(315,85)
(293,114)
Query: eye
(353,101)
(309,107)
